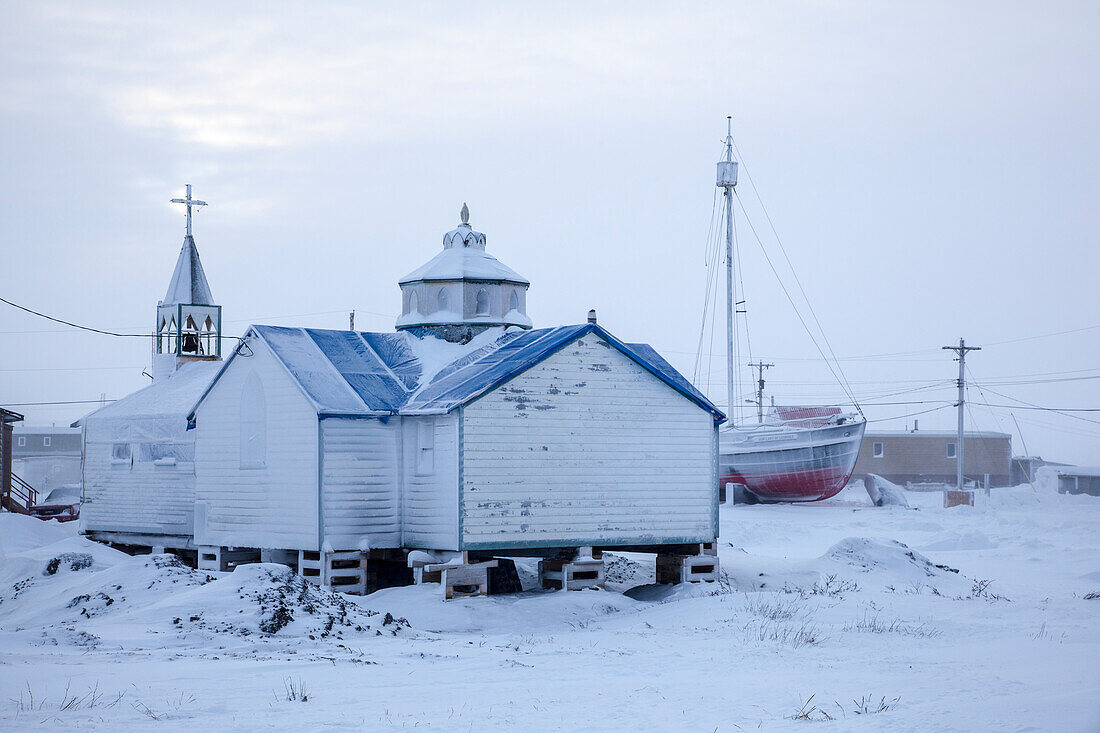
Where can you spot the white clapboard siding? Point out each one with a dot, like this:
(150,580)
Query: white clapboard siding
(431,499)
(584,448)
(360,501)
(272,506)
(137,495)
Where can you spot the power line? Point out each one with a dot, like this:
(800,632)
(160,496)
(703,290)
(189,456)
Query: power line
(1044,335)
(84,328)
(74,325)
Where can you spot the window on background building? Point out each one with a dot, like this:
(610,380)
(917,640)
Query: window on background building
(253,423)
(120,452)
(22,441)
(877,450)
(425,448)
(950,450)
(46,442)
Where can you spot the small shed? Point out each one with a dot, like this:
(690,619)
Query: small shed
(139,463)
(1079,480)
(318,444)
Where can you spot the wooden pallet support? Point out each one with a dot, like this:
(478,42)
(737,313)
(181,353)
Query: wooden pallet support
(224,559)
(672,569)
(344,572)
(583,571)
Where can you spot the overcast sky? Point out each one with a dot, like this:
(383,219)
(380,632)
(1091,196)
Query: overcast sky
(930,167)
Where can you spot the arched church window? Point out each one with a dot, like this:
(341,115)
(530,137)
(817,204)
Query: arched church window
(253,423)
(172,336)
(208,336)
(513,302)
(482,303)
(441,300)
(414,303)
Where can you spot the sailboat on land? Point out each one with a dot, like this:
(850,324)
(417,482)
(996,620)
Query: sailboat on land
(793,453)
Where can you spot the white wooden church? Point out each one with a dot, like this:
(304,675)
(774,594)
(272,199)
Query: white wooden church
(464,437)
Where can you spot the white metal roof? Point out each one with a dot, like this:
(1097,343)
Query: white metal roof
(932,434)
(188,284)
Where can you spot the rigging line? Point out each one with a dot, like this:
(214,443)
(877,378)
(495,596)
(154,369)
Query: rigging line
(843,382)
(736,338)
(708,263)
(744,296)
(783,249)
(84,328)
(909,414)
(713,323)
(708,309)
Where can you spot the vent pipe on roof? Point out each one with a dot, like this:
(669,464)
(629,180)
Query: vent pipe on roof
(592,315)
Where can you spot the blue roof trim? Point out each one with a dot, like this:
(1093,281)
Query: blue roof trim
(494,368)
(352,374)
(465,384)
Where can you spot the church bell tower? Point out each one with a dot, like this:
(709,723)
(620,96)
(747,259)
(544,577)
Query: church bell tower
(189,324)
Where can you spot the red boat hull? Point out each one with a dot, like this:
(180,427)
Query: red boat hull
(816,466)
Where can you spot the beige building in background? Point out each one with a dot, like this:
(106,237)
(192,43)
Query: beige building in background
(919,456)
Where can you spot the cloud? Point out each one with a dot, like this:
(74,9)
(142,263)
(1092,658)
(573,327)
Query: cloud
(294,76)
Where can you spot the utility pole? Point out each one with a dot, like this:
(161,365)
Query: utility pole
(351,321)
(961,350)
(760,367)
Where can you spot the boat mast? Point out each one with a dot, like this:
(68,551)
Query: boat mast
(727,179)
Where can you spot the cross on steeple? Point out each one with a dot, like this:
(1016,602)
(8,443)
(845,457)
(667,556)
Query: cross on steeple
(189,202)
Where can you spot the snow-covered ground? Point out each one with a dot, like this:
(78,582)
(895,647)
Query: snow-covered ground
(979,621)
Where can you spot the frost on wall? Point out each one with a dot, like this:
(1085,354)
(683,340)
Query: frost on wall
(253,423)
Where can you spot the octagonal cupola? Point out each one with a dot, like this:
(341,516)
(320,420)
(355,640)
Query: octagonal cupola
(463,290)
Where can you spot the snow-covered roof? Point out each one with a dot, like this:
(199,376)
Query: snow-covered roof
(1079,471)
(464,263)
(932,434)
(174,396)
(44,430)
(414,372)
(188,284)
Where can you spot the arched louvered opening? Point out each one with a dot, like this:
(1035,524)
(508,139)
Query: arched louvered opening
(441,300)
(171,337)
(482,308)
(513,301)
(414,303)
(208,342)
